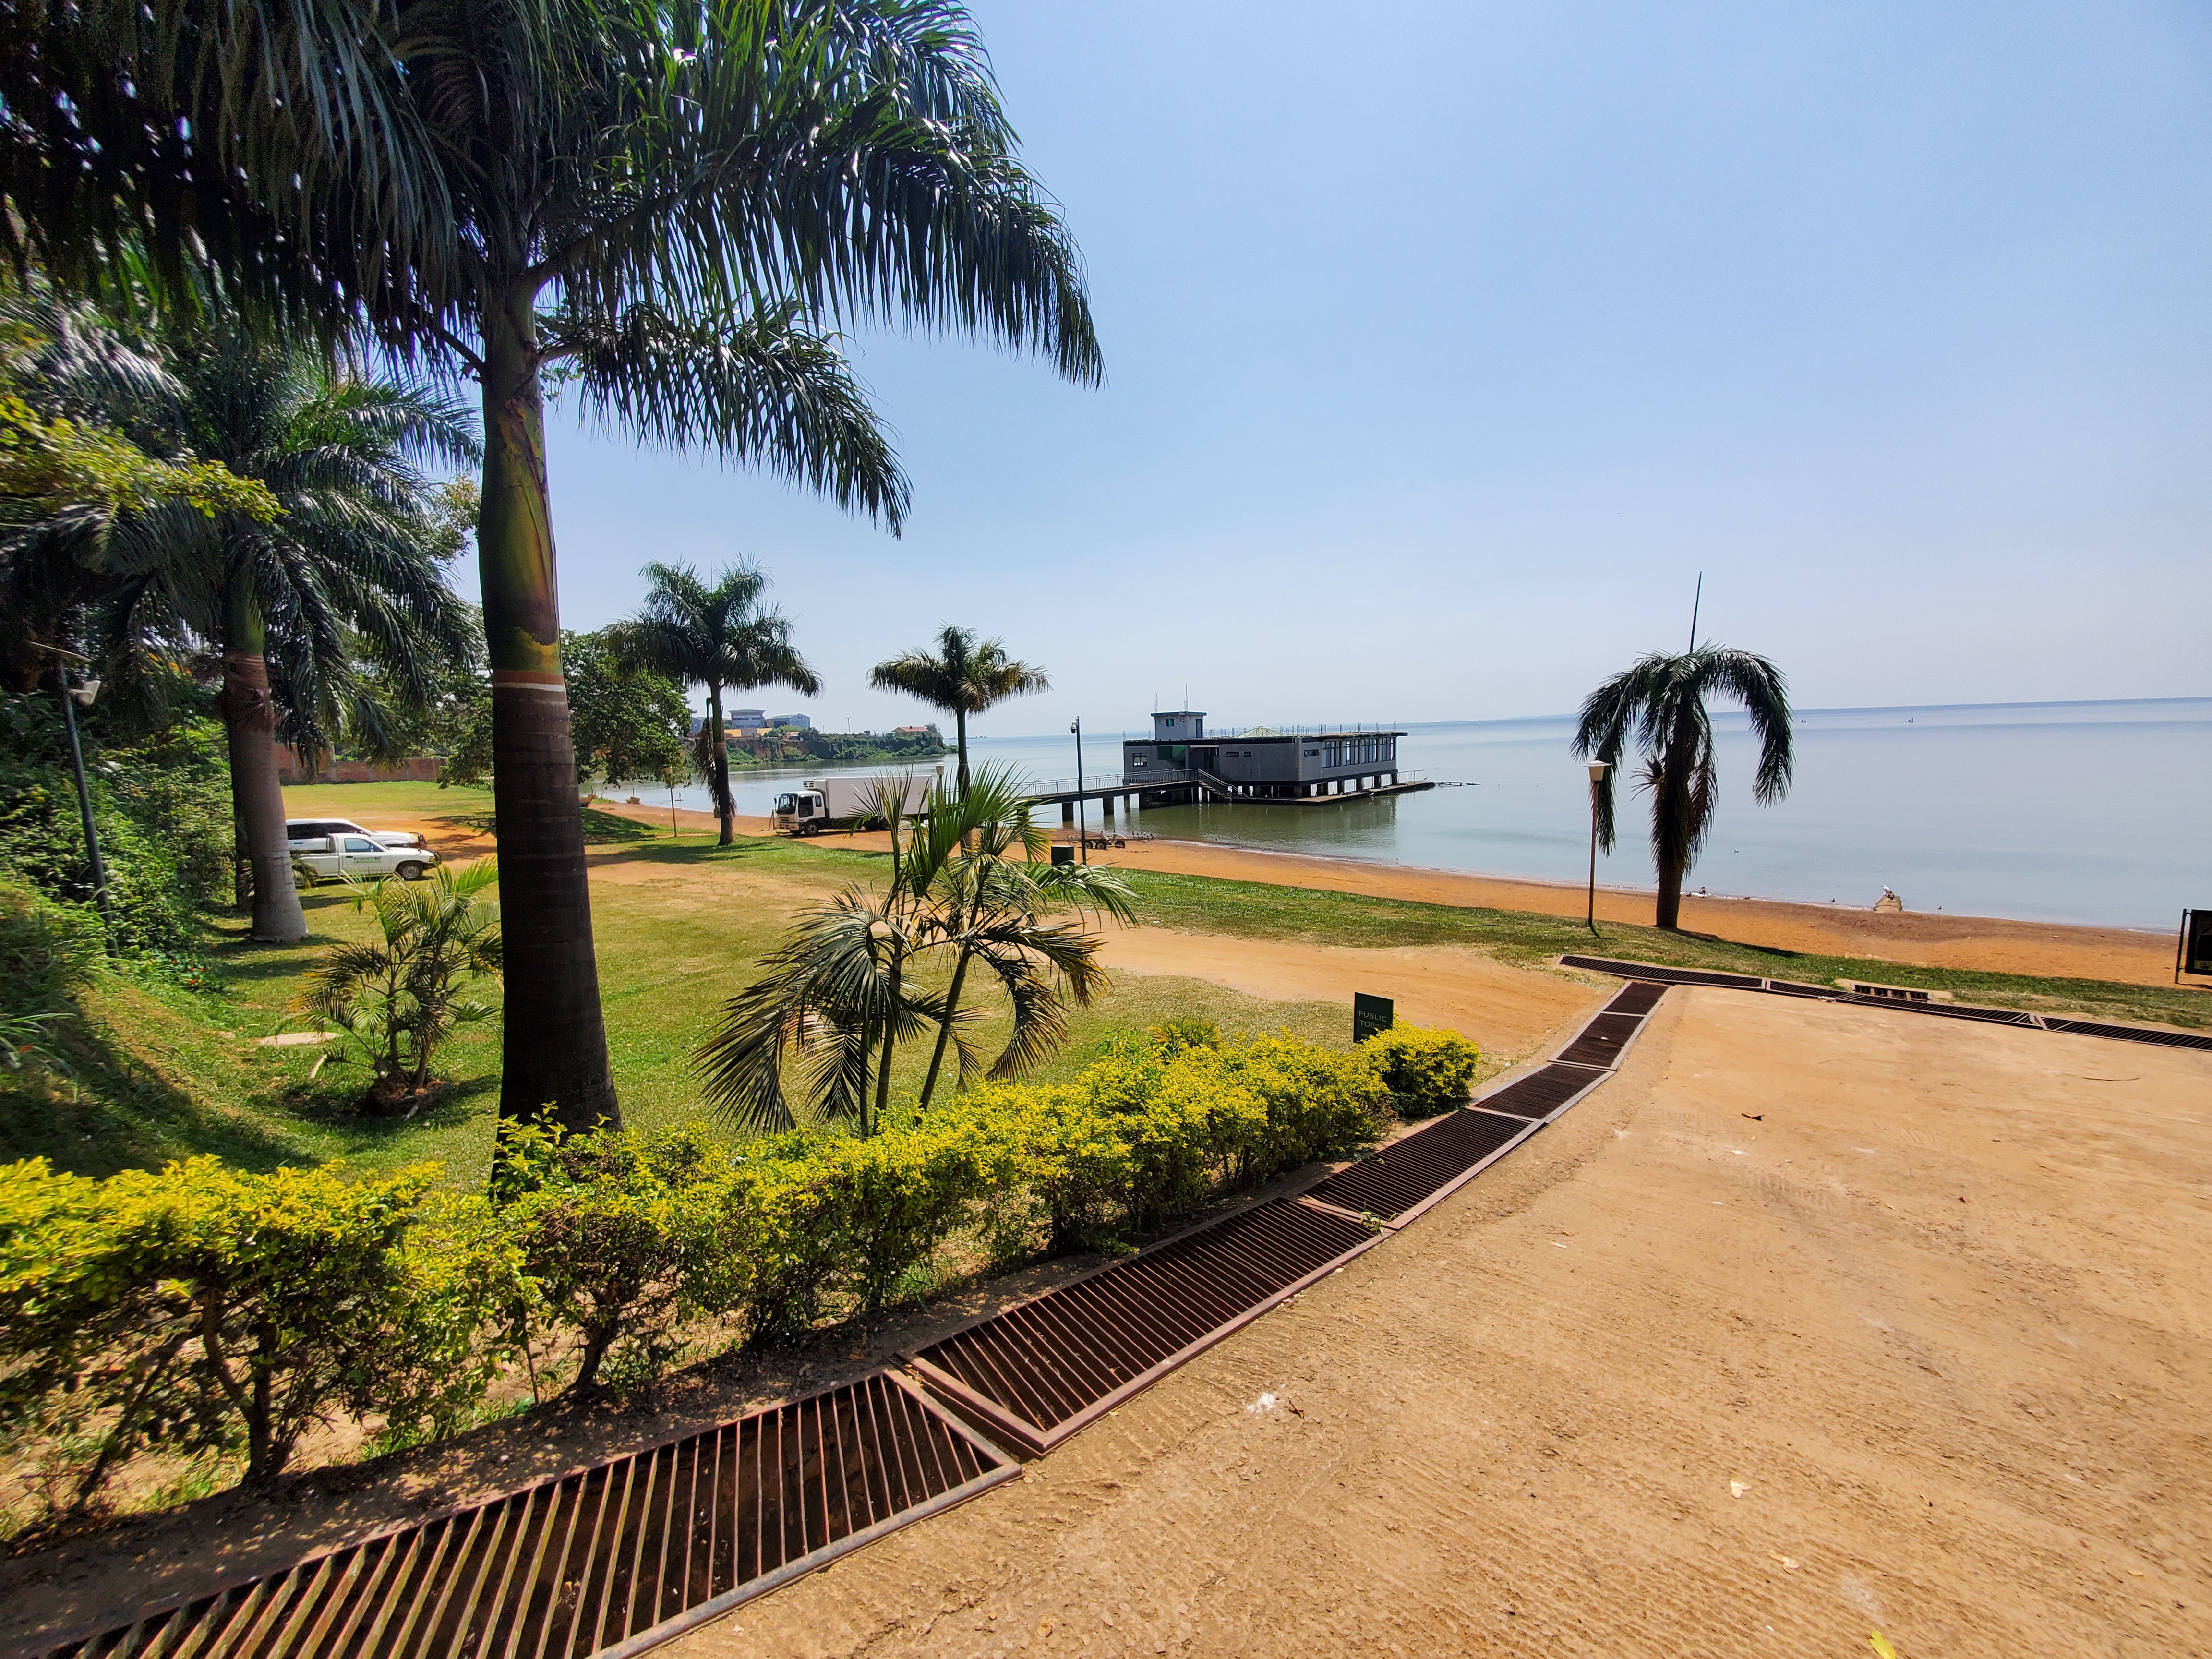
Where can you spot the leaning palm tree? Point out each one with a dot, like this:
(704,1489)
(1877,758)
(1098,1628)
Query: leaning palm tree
(1660,706)
(669,206)
(718,636)
(349,573)
(966,677)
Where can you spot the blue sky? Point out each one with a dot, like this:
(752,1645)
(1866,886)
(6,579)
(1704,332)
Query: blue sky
(1447,343)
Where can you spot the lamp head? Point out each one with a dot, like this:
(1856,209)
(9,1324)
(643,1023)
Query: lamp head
(1598,770)
(85,691)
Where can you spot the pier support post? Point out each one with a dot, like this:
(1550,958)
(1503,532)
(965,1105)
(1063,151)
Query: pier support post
(1106,806)
(1067,815)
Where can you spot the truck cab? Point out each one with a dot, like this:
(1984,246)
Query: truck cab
(799,812)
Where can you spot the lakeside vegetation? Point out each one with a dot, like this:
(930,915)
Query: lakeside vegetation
(166,1066)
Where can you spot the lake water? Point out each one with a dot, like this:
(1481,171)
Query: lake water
(2096,812)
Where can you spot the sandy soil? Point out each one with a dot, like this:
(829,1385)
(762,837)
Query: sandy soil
(1814,1322)
(1987,943)
(1507,1012)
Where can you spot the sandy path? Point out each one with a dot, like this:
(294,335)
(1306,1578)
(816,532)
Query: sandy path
(1991,945)
(1506,1011)
(1977,1426)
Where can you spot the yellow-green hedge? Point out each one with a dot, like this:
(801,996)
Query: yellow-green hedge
(1425,1070)
(202,1308)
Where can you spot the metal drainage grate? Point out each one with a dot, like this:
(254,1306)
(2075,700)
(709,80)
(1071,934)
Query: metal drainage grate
(2128,1033)
(1405,1177)
(1943,1010)
(1602,1042)
(1035,1374)
(1664,976)
(1639,998)
(607,1560)
(1544,1093)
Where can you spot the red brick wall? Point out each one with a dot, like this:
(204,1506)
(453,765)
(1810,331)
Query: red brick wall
(421,769)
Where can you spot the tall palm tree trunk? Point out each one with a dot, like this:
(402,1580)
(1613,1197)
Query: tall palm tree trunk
(723,807)
(960,739)
(249,718)
(556,1040)
(1672,830)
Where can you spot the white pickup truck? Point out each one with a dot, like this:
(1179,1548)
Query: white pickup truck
(821,804)
(355,854)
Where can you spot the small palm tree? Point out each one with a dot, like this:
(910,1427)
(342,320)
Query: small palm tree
(402,995)
(1661,704)
(720,637)
(965,676)
(985,863)
(846,989)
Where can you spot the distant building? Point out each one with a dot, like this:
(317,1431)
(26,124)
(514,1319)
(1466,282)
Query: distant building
(910,730)
(1259,764)
(799,721)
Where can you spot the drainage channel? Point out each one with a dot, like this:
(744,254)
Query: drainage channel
(1404,1178)
(1034,1374)
(1647,971)
(611,1559)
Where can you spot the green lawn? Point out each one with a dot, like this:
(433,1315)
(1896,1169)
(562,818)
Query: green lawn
(165,1072)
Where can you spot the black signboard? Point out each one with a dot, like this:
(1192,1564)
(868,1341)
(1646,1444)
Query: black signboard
(2195,956)
(1372,1014)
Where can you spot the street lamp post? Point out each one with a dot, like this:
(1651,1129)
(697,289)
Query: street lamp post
(70,697)
(1077,727)
(1597,771)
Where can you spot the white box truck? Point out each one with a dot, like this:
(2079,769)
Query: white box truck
(821,804)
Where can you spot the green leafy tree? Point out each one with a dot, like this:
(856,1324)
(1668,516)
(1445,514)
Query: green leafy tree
(628,719)
(71,479)
(965,676)
(718,636)
(657,204)
(1659,706)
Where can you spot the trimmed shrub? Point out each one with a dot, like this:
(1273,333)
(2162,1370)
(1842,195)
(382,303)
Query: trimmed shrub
(1425,1070)
(897,1195)
(615,1234)
(210,1309)
(1316,1103)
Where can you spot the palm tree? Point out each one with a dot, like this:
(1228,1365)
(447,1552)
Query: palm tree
(1661,703)
(350,571)
(844,991)
(720,637)
(964,677)
(656,202)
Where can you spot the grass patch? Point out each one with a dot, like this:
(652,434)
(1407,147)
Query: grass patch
(1206,904)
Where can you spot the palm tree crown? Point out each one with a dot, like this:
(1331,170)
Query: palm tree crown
(965,676)
(716,635)
(1660,705)
(351,572)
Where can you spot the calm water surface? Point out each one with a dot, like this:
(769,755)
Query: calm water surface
(2097,812)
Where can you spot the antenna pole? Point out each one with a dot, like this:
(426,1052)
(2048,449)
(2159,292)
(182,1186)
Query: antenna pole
(1694,604)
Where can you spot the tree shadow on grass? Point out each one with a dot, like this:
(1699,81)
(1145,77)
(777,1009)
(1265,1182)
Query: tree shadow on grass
(115,1112)
(341,1108)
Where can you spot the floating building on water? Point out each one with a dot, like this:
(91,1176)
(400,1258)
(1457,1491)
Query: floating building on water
(1181,763)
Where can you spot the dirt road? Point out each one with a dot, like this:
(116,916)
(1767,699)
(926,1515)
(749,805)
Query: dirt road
(1815,1321)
